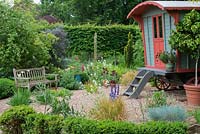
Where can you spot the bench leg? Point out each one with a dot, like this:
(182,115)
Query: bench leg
(56,85)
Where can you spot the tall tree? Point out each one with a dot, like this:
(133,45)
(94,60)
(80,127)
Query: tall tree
(89,11)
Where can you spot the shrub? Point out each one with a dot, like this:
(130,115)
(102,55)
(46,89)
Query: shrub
(138,54)
(82,126)
(159,127)
(196,115)
(109,109)
(58,53)
(167,113)
(21,97)
(84,77)
(61,107)
(43,94)
(128,51)
(61,92)
(11,120)
(7,87)
(127,78)
(158,99)
(68,81)
(91,87)
(43,124)
(23,45)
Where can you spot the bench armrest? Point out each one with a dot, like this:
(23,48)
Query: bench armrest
(52,75)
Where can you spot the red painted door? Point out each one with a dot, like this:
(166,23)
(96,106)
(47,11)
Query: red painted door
(158,41)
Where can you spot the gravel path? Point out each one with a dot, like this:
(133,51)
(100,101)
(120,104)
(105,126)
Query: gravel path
(83,101)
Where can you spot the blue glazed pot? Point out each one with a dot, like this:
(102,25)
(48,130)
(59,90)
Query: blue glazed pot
(77,77)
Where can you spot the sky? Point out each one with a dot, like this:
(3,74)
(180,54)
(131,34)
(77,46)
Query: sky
(36,1)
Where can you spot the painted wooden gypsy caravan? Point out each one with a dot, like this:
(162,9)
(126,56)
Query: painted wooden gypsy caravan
(156,20)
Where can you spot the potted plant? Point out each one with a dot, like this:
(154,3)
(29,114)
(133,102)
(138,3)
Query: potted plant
(186,39)
(169,59)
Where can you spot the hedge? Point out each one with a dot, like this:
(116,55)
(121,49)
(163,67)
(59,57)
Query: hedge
(43,124)
(82,126)
(109,38)
(23,119)
(7,88)
(12,119)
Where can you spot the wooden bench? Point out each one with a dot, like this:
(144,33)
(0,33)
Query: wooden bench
(32,77)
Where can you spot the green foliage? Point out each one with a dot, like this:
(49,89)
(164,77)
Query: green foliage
(20,97)
(160,127)
(186,37)
(84,77)
(138,54)
(61,107)
(23,119)
(61,92)
(43,124)
(128,51)
(81,125)
(102,70)
(58,53)
(87,11)
(12,119)
(22,44)
(44,97)
(7,88)
(68,81)
(167,113)
(110,39)
(107,109)
(167,57)
(196,114)
(127,78)
(91,87)
(158,99)
(43,94)
(57,8)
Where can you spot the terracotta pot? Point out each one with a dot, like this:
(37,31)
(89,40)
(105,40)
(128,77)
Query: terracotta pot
(193,94)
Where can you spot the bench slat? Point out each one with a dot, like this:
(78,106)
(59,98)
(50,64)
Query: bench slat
(33,75)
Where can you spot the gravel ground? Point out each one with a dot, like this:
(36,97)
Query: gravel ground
(83,101)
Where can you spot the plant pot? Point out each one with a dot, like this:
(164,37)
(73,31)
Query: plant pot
(192,94)
(77,77)
(169,67)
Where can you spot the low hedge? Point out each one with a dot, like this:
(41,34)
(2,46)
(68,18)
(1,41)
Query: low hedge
(12,119)
(23,119)
(82,126)
(7,88)
(43,124)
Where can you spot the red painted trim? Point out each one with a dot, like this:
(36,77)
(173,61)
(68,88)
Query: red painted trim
(186,70)
(175,15)
(141,24)
(159,39)
(140,8)
(155,67)
(139,20)
(144,44)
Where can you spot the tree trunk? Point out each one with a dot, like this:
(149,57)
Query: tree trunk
(196,72)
